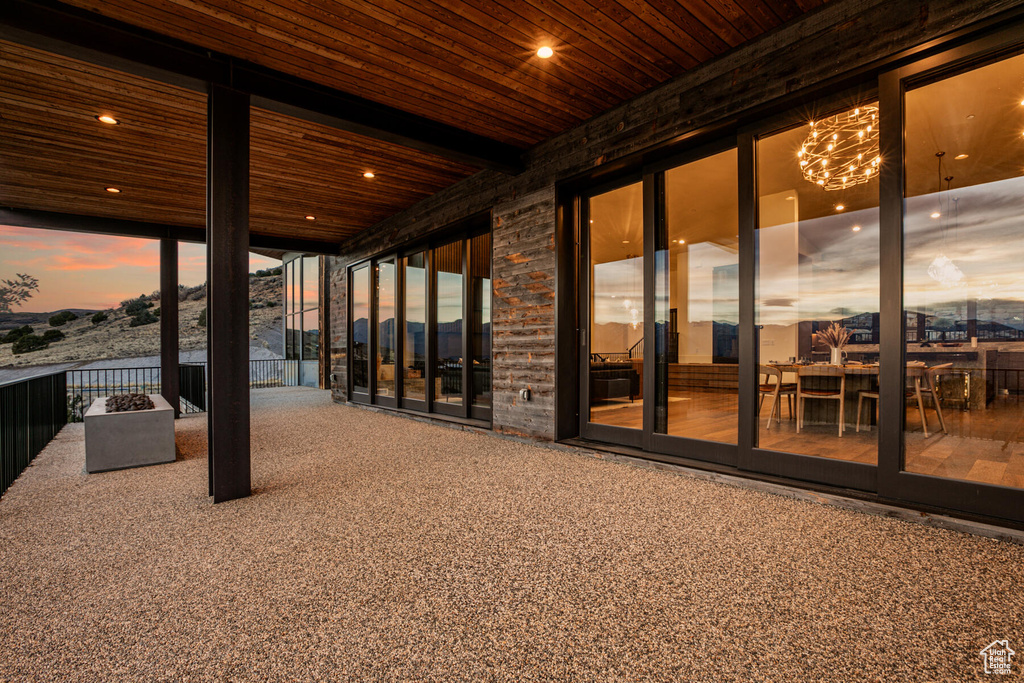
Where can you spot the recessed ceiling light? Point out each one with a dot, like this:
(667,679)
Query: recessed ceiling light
(310,218)
(790,198)
(625,241)
(545,52)
(113,190)
(961,156)
(936,214)
(369,174)
(107,118)
(856,228)
(839,207)
(970,116)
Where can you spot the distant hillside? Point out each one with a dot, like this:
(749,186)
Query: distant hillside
(116,338)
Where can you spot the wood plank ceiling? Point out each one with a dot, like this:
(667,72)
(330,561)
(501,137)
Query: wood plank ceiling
(470,63)
(55,155)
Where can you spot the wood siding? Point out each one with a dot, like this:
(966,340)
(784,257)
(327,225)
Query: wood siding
(841,37)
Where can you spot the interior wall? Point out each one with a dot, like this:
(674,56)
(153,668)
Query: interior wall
(809,51)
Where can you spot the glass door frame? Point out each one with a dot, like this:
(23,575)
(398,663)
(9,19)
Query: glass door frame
(637,438)
(463,233)
(655,222)
(458,409)
(893,481)
(419,405)
(371,388)
(804,467)
(379,399)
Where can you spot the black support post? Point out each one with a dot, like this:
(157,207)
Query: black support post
(169,324)
(227,188)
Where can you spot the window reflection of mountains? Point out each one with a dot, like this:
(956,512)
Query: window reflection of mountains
(361,329)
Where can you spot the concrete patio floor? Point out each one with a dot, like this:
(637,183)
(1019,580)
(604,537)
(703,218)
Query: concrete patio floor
(381,548)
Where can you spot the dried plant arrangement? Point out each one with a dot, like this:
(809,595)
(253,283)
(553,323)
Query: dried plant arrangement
(835,335)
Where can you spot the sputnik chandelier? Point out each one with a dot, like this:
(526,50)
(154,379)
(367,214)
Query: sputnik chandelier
(842,150)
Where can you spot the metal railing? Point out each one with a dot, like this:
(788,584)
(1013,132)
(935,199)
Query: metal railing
(32,411)
(85,386)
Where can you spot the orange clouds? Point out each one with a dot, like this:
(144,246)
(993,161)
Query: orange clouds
(79,270)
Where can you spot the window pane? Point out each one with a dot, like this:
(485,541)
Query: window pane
(617,307)
(448,379)
(963,281)
(361,329)
(311,335)
(480,287)
(288,288)
(415,350)
(291,337)
(697,302)
(293,283)
(817,267)
(386,349)
(310,283)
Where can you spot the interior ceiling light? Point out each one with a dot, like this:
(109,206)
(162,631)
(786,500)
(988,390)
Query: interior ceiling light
(625,241)
(961,156)
(545,52)
(369,174)
(842,150)
(856,228)
(840,207)
(107,118)
(936,215)
(113,190)
(310,218)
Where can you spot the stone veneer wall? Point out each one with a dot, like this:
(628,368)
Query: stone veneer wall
(840,37)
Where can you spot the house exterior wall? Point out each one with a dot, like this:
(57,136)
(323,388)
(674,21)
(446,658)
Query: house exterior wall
(830,45)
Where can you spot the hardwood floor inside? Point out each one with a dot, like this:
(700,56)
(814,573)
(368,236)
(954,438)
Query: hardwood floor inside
(986,446)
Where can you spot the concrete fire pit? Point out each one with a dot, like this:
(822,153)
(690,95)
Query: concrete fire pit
(114,441)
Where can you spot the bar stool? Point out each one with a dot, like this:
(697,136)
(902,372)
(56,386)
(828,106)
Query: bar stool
(775,389)
(803,393)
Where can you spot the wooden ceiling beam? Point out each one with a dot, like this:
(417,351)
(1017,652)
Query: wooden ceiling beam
(50,26)
(119,227)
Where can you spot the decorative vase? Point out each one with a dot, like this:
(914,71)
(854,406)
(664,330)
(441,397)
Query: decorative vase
(837,356)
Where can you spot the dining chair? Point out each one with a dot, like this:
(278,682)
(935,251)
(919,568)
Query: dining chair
(916,372)
(871,394)
(931,376)
(777,388)
(803,392)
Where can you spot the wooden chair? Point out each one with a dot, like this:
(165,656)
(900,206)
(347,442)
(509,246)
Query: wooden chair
(804,392)
(766,387)
(915,373)
(930,375)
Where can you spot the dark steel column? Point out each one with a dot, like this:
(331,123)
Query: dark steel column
(227,318)
(169,324)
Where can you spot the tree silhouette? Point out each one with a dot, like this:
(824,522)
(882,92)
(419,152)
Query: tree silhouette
(17,291)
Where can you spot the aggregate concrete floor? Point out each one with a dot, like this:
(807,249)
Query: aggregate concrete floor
(377,548)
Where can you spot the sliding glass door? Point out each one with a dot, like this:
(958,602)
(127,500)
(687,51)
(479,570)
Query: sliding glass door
(420,327)
(660,272)
(613,365)
(696,307)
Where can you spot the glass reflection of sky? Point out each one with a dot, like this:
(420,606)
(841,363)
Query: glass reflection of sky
(980,229)
(614,283)
(837,277)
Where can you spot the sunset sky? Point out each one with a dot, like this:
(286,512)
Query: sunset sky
(78,270)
